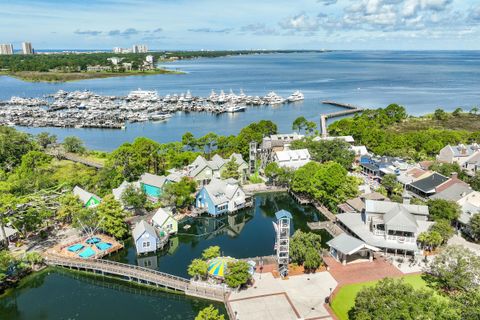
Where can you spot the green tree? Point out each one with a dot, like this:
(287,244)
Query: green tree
(393,299)
(231,170)
(329,150)
(237,274)
(443,209)
(474,225)
(468,304)
(188,140)
(304,249)
(457,112)
(475,181)
(198,269)
(440,114)
(474,110)
(444,228)
(209,313)
(7,260)
(447,169)
(33,258)
(73,144)
(70,205)
(13,145)
(44,139)
(211,252)
(430,239)
(134,197)
(112,217)
(180,193)
(456,269)
(278,175)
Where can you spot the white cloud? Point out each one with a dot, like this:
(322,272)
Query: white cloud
(300,22)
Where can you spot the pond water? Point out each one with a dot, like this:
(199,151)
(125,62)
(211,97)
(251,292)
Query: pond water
(249,233)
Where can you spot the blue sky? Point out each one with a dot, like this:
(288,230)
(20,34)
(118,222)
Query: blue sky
(245,24)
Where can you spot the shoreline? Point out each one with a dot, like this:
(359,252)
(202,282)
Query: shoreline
(64,77)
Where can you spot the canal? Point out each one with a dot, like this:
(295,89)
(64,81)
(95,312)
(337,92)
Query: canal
(59,294)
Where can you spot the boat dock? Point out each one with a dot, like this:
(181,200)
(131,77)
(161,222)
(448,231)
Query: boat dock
(141,275)
(350,109)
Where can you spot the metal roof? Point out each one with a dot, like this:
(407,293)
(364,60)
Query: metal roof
(349,245)
(141,228)
(282,214)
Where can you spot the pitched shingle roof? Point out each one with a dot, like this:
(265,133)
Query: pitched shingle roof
(429,183)
(153,180)
(84,195)
(141,228)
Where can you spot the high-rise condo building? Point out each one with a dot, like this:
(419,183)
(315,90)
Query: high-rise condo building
(6,48)
(27,48)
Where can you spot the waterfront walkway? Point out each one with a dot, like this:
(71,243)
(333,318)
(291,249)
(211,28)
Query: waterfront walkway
(56,152)
(141,275)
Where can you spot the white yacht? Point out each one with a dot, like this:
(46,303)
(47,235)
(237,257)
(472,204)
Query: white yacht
(296,96)
(142,95)
(232,108)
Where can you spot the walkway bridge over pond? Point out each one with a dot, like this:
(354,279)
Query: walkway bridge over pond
(142,275)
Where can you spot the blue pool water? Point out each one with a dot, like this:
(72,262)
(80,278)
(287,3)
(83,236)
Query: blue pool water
(87,253)
(93,240)
(103,246)
(76,247)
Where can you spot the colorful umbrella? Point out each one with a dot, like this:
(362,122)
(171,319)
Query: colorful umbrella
(217,267)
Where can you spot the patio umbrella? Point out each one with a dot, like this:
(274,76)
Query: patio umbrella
(217,267)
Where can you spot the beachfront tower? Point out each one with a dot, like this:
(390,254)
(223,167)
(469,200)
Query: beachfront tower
(282,241)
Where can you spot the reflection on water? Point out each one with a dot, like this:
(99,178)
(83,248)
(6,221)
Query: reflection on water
(248,233)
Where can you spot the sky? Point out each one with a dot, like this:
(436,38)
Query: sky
(243,24)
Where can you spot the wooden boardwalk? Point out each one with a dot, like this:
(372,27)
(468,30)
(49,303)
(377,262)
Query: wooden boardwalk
(142,275)
(328,226)
(73,157)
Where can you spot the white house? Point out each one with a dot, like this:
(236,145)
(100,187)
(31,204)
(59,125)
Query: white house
(292,159)
(145,238)
(164,220)
(221,196)
(458,154)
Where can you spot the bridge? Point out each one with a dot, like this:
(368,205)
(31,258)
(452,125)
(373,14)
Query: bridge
(142,275)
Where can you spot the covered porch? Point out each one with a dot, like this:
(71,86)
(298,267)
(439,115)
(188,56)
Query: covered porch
(347,249)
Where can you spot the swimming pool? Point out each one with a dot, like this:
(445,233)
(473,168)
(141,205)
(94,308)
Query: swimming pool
(93,240)
(76,247)
(87,253)
(103,246)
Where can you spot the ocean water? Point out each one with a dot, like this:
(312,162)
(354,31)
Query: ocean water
(420,80)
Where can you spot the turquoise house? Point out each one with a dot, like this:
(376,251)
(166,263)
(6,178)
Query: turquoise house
(152,185)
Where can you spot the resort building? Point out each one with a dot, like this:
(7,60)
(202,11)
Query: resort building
(89,200)
(357,205)
(389,226)
(292,159)
(164,220)
(458,154)
(153,185)
(221,196)
(145,238)
(27,48)
(203,170)
(345,248)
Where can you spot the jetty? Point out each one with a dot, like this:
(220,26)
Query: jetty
(140,275)
(349,109)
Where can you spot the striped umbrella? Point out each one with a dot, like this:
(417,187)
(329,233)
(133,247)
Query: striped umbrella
(217,267)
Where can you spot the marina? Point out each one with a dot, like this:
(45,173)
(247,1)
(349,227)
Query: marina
(85,109)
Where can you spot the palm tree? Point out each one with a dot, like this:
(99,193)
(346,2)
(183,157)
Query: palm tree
(474,110)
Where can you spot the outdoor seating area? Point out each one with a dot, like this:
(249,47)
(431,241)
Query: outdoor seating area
(87,247)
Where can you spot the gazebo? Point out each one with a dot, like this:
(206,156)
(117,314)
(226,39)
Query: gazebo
(345,249)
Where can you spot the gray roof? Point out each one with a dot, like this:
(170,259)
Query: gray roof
(153,180)
(84,195)
(221,191)
(348,245)
(118,192)
(468,211)
(141,228)
(400,219)
(374,206)
(462,150)
(238,158)
(429,183)
(9,232)
(453,193)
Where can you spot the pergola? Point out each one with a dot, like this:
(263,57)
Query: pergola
(345,247)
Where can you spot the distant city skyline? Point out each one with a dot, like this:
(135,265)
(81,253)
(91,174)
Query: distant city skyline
(246,24)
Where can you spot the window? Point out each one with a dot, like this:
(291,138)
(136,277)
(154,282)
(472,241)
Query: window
(146,244)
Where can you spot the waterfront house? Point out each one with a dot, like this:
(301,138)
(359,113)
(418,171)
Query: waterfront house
(292,159)
(164,220)
(389,226)
(203,170)
(89,200)
(153,185)
(221,196)
(357,205)
(118,192)
(145,238)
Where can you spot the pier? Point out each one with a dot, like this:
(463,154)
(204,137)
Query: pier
(141,275)
(350,109)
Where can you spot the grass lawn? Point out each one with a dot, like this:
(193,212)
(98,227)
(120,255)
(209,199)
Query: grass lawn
(345,298)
